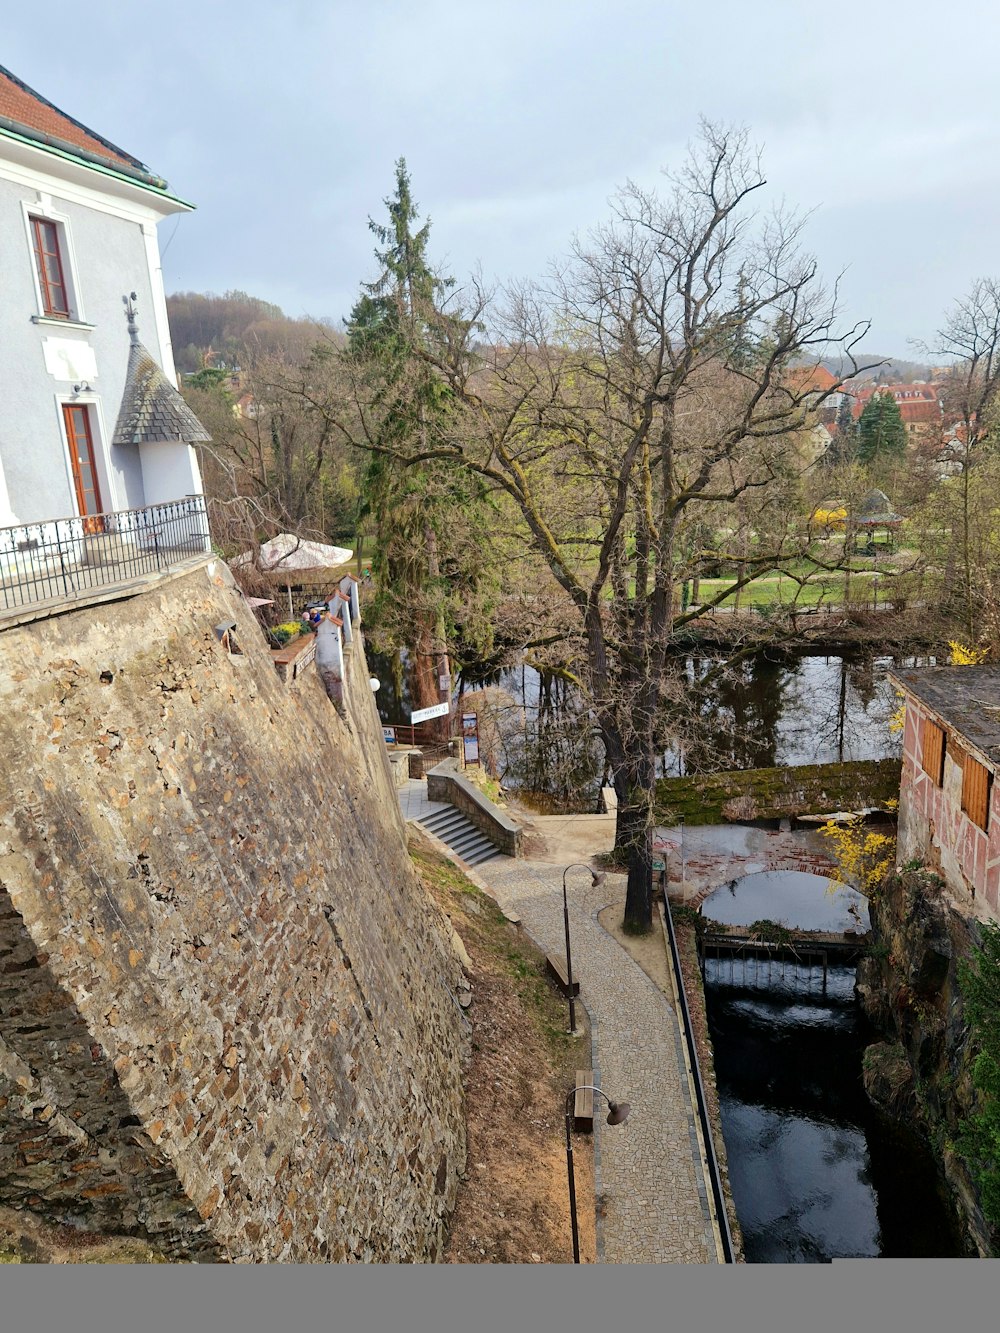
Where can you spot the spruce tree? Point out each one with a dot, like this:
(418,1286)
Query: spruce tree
(845,442)
(420,563)
(881,432)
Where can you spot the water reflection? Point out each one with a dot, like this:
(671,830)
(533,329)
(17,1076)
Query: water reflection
(816,1174)
(769,710)
(791,897)
(779,710)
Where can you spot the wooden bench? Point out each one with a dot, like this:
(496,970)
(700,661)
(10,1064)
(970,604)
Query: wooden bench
(583,1105)
(558,969)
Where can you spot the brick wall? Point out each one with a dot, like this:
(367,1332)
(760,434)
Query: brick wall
(217,961)
(934,829)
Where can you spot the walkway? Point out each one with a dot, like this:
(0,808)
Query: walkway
(653,1189)
(653,1194)
(655,1205)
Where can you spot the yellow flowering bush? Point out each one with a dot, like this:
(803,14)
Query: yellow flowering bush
(289,630)
(963,656)
(863,856)
(897,719)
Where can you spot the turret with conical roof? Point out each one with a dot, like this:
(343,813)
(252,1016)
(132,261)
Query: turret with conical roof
(152,410)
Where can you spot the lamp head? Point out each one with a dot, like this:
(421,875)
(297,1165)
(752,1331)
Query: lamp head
(597,878)
(618,1112)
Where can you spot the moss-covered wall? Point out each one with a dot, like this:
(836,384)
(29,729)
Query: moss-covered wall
(777,793)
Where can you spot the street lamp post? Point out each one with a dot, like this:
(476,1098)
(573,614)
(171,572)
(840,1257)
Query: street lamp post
(618,1113)
(595,879)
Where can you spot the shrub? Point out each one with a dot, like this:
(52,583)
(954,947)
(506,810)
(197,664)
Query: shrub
(864,857)
(979,1140)
(770,932)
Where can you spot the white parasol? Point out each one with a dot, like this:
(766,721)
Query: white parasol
(290,553)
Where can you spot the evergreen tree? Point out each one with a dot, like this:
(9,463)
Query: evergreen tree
(844,448)
(881,432)
(421,562)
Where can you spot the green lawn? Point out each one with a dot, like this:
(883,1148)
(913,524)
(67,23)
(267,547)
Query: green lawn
(774,591)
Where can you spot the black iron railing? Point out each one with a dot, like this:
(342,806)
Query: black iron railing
(64,558)
(712,1161)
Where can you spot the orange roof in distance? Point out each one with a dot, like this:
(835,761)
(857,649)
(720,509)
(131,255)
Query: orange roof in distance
(809,379)
(918,402)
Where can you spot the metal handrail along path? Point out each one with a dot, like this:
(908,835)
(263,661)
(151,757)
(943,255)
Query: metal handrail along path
(712,1161)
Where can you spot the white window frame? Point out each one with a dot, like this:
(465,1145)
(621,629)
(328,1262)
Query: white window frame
(43,208)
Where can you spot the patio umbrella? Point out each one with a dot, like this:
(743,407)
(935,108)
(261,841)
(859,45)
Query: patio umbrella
(287,554)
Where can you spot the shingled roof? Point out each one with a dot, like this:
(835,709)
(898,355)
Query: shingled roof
(152,409)
(965,698)
(22,110)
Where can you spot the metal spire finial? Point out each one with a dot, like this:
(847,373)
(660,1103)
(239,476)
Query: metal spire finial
(133,327)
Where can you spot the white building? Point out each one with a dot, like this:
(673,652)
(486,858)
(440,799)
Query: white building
(91,423)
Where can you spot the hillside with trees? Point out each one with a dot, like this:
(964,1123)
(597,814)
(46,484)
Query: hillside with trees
(216,331)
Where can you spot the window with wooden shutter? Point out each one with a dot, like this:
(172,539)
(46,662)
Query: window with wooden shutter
(933,748)
(977,781)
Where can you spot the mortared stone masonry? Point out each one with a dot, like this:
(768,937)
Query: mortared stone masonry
(228,1020)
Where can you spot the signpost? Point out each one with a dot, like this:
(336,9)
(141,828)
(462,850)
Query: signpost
(389,735)
(470,737)
(425,714)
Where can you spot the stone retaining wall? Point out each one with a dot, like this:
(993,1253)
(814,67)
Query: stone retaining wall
(446,783)
(229,1019)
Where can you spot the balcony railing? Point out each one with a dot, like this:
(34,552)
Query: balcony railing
(63,559)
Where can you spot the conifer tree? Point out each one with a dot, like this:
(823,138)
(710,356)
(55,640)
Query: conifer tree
(845,442)
(881,432)
(410,509)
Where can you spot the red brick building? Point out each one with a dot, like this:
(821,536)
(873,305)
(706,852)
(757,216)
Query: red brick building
(949,804)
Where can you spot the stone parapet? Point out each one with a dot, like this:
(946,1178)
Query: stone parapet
(446,783)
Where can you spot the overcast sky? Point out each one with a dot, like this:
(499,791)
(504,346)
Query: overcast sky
(282,121)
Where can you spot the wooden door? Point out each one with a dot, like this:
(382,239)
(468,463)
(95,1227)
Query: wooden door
(81,456)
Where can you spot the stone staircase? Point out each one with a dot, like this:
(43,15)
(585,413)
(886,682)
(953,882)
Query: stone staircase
(460,834)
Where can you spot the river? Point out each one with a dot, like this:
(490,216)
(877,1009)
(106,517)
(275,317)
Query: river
(816,1172)
(771,709)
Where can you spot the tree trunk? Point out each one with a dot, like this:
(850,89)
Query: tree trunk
(634,785)
(967,556)
(442,667)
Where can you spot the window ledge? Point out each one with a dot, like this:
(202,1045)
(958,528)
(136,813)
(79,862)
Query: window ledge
(52,322)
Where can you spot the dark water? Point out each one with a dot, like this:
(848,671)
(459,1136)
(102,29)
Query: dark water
(816,1172)
(772,709)
(792,709)
(393,695)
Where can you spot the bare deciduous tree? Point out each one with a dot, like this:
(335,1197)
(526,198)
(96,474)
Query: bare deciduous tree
(971,334)
(637,405)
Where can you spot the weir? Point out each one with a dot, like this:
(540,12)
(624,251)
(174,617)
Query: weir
(816,1172)
(759,960)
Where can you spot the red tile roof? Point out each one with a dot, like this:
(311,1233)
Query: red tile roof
(916,402)
(809,379)
(26,108)
(921,411)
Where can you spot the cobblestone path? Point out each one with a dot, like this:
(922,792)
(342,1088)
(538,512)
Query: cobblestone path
(655,1204)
